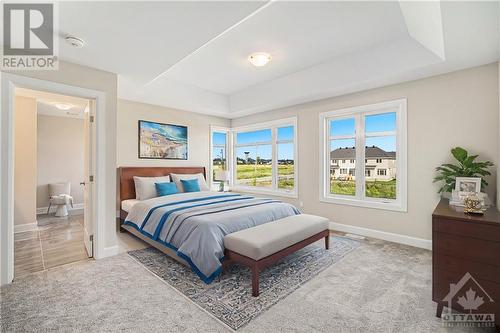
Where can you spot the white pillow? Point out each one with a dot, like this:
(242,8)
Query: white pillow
(145,186)
(176,178)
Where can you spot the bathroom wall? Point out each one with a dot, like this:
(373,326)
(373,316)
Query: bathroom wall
(60,156)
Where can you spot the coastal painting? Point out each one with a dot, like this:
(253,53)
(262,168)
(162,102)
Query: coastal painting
(162,141)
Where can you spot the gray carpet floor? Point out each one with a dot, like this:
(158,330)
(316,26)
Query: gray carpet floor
(379,287)
(229,298)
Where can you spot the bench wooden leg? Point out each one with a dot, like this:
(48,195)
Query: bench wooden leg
(255,280)
(327,241)
(439,310)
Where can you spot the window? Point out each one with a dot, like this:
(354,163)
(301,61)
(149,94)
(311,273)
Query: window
(219,154)
(371,133)
(265,157)
(343,171)
(254,158)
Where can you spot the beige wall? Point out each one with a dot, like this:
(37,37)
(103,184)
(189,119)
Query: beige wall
(60,156)
(455,109)
(198,133)
(25,127)
(89,78)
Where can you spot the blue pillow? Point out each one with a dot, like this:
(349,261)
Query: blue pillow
(165,188)
(190,185)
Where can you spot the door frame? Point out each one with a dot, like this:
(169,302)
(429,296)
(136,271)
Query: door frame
(8,84)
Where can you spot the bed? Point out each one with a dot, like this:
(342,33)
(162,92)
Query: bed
(190,227)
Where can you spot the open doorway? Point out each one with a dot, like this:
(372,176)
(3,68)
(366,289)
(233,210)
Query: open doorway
(53,162)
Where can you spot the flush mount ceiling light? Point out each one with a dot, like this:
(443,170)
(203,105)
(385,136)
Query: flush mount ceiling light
(63,106)
(259,59)
(74,41)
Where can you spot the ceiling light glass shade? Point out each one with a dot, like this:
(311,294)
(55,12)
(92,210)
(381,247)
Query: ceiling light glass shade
(259,59)
(63,106)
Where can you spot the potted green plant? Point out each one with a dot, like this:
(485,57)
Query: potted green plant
(466,167)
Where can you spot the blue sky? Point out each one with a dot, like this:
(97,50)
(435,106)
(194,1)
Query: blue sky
(387,143)
(285,150)
(219,138)
(376,123)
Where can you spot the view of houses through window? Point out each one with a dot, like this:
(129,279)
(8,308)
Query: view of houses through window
(379,158)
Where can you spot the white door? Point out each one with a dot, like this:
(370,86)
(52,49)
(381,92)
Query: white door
(88,183)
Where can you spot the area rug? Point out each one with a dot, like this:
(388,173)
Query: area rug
(229,298)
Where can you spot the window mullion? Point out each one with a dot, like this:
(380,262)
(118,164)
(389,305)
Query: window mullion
(229,157)
(360,156)
(274,173)
(234,161)
(327,176)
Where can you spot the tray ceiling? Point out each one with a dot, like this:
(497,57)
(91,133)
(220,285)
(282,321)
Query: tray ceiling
(193,55)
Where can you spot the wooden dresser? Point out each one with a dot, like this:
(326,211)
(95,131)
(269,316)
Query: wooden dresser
(463,243)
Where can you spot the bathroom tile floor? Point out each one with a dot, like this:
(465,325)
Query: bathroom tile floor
(58,241)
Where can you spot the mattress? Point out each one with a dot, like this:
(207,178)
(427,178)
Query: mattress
(127,204)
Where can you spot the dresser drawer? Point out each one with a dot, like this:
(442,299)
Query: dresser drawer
(461,266)
(472,249)
(469,229)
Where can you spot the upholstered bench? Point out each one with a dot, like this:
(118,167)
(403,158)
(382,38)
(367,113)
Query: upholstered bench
(263,245)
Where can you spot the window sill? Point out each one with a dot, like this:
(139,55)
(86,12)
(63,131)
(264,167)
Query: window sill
(264,191)
(392,206)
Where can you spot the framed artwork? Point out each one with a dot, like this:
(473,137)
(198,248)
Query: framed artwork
(162,141)
(468,184)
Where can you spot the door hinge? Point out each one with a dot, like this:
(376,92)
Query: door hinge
(91,119)
(91,239)
(91,178)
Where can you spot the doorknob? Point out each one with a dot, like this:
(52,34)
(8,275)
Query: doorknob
(82,183)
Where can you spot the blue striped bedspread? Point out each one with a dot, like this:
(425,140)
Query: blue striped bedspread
(194,224)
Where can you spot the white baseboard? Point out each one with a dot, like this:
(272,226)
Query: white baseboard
(43,210)
(110,251)
(25,227)
(387,236)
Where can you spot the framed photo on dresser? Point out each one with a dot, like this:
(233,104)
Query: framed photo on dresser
(468,184)
(162,141)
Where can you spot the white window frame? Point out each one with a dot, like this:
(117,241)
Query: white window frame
(273,126)
(219,129)
(360,199)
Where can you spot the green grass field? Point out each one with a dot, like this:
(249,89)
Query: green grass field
(244,171)
(374,189)
(260,175)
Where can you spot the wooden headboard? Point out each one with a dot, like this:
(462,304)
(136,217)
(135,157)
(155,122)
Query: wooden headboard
(126,176)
